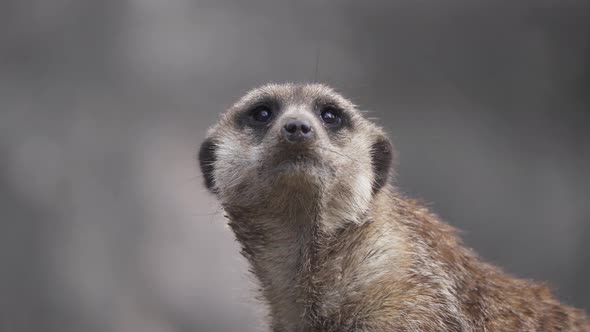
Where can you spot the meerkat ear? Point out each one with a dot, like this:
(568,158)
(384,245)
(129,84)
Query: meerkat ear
(382,153)
(207,161)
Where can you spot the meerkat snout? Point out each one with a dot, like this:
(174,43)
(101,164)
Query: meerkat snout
(298,130)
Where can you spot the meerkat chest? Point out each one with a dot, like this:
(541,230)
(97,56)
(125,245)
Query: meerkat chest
(327,283)
(308,277)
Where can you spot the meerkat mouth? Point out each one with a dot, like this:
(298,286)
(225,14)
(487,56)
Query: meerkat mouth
(294,163)
(297,163)
(293,157)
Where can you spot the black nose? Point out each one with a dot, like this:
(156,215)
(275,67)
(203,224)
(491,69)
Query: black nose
(296,130)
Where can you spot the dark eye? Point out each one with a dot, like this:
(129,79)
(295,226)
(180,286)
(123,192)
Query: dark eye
(330,116)
(262,114)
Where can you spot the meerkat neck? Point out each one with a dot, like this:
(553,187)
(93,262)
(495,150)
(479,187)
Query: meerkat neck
(294,257)
(280,251)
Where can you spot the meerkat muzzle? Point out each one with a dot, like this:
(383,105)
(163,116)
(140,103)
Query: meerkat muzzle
(297,131)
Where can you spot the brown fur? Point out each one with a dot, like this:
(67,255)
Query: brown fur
(335,249)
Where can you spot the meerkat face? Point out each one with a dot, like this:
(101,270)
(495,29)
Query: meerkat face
(281,144)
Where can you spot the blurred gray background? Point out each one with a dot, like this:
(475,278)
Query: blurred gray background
(105,224)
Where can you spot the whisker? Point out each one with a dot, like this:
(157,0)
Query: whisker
(212,214)
(336,152)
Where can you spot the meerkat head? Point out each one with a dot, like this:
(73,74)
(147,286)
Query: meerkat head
(296,149)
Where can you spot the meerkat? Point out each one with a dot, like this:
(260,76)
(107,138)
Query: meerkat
(304,180)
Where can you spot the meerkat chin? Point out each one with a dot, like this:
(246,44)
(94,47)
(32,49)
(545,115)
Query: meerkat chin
(304,180)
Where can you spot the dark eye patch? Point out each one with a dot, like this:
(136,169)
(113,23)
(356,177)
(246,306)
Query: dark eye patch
(333,116)
(257,117)
(258,113)
(261,114)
